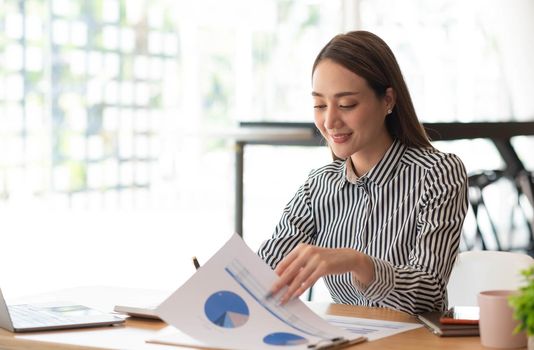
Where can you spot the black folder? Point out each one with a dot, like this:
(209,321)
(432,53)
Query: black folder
(431,321)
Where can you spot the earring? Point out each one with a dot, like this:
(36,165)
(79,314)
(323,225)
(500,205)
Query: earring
(390,111)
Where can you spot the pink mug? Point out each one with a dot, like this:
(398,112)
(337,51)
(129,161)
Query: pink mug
(497,322)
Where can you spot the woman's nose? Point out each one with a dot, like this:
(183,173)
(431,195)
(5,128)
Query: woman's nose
(332,119)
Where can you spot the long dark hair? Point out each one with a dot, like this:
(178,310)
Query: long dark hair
(368,56)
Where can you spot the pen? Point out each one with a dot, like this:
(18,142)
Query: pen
(195,262)
(337,343)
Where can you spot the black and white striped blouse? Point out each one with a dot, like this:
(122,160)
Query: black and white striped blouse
(406,213)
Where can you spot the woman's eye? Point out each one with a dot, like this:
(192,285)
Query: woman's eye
(319,106)
(348,106)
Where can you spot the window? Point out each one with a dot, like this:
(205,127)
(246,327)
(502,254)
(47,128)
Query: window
(106,111)
(109,111)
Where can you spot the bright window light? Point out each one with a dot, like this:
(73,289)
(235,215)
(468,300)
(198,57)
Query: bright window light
(60,32)
(107,109)
(14,57)
(13,26)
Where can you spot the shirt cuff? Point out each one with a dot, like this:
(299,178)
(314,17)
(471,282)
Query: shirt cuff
(383,283)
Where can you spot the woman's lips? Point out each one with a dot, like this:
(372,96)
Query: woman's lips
(340,138)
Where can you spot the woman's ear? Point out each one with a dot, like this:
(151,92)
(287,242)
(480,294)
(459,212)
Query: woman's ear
(390,98)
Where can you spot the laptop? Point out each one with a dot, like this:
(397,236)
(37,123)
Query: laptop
(40,317)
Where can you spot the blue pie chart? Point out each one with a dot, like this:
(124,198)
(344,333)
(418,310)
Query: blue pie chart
(226,309)
(283,338)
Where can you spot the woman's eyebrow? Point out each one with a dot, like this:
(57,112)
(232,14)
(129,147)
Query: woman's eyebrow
(339,94)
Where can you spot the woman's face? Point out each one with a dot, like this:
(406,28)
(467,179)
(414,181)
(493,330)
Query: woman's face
(348,113)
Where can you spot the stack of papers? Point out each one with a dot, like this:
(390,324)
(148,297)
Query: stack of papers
(224,305)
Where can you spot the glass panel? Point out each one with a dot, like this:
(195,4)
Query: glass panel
(13,57)
(13,25)
(458,52)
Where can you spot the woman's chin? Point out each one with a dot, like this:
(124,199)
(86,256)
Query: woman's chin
(341,155)
(340,152)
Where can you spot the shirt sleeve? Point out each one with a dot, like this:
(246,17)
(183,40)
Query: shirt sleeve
(296,226)
(421,285)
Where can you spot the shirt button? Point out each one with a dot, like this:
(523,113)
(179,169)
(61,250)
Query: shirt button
(362,183)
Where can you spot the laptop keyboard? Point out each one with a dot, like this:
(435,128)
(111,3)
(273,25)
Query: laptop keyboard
(26,316)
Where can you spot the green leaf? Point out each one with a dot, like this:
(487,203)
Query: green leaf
(523,303)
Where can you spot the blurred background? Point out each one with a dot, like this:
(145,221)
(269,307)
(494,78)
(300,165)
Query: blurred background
(110,173)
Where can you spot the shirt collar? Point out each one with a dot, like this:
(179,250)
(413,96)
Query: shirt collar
(381,172)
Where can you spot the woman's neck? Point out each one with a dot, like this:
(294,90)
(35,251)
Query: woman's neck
(365,159)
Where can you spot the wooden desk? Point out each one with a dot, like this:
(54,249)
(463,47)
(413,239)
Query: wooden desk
(136,331)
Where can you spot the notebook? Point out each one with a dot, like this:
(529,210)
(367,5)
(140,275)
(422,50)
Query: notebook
(431,321)
(143,311)
(39,317)
(141,303)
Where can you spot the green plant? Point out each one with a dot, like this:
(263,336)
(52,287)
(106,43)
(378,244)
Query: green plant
(523,303)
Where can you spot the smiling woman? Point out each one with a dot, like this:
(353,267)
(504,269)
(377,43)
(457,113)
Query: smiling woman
(382,223)
(349,114)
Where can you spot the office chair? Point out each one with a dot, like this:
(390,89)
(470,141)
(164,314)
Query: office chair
(525,186)
(477,182)
(475,271)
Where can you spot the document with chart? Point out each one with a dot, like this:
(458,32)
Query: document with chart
(223,305)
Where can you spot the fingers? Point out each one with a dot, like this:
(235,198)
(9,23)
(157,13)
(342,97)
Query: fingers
(285,279)
(282,270)
(301,268)
(284,264)
(299,271)
(310,281)
(302,281)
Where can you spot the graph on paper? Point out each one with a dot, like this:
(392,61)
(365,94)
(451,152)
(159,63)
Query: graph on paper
(257,291)
(226,309)
(283,338)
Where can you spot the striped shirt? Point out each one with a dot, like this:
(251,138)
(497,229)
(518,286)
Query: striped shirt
(406,213)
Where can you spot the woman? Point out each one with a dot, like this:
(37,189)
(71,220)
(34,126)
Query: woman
(382,223)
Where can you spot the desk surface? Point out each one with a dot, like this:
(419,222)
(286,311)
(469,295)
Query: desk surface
(134,333)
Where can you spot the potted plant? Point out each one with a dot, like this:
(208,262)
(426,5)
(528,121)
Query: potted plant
(523,305)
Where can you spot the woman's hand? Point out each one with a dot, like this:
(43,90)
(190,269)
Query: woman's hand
(301,268)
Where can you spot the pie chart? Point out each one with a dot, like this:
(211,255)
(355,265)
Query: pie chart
(226,309)
(283,338)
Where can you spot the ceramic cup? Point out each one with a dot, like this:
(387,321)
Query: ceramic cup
(497,322)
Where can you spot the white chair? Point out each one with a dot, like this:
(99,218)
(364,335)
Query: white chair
(475,271)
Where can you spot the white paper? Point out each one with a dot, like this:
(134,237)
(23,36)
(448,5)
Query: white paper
(372,329)
(223,305)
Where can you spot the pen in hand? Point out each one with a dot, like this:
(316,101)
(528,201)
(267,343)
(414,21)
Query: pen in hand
(195,262)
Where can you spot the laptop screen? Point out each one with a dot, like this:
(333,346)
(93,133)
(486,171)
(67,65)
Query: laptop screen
(31,317)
